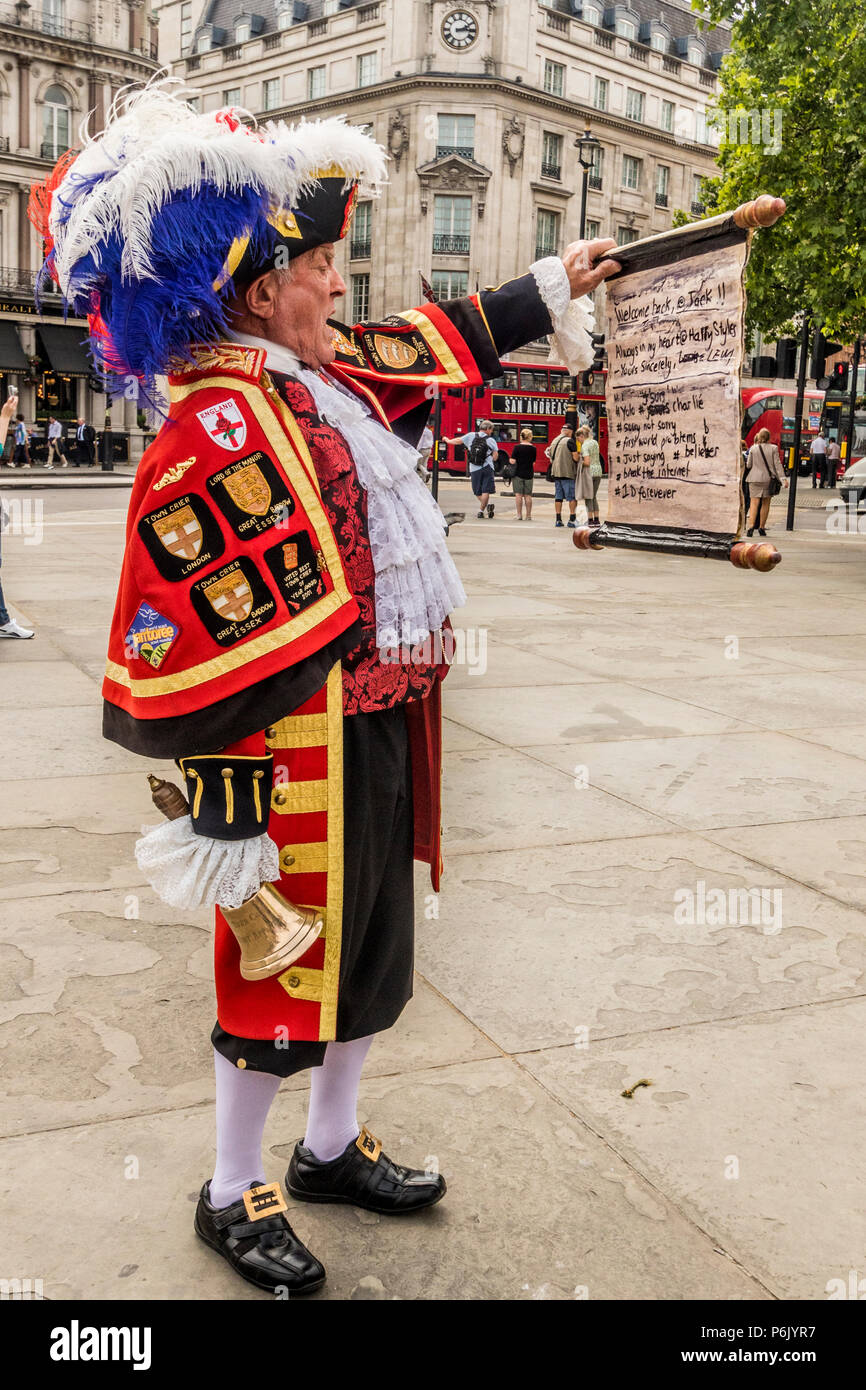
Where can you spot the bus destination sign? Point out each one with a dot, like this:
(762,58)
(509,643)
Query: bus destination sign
(527,405)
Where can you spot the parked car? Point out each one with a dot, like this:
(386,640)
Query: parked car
(852,487)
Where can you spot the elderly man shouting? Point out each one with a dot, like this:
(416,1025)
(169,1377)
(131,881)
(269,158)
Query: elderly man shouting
(285,572)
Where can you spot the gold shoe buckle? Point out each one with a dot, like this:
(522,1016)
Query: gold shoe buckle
(264,1201)
(370,1146)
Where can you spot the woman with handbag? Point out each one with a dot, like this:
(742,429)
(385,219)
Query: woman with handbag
(765,478)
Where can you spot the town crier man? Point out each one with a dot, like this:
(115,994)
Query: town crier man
(285,584)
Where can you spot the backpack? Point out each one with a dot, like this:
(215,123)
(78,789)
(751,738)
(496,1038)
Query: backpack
(478,451)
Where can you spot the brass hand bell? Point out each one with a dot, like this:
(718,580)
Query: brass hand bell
(271,931)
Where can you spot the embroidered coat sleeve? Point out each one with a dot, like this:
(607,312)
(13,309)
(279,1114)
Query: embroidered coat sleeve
(458,342)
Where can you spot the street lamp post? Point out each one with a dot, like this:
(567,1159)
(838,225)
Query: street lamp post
(586,145)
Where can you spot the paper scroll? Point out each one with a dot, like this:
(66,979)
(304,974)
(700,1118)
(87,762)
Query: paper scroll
(675,345)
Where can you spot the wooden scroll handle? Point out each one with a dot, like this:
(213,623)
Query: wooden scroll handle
(760,212)
(762,557)
(755,557)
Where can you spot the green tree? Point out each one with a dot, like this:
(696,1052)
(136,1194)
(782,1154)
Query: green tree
(806,61)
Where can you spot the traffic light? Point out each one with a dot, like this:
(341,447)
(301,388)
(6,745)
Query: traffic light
(821,350)
(839,377)
(598,362)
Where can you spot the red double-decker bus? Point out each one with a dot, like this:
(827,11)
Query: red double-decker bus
(526,396)
(768,408)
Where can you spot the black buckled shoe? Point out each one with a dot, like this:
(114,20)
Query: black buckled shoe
(257,1240)
(363,1176)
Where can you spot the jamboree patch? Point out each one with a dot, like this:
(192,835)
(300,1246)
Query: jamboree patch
(150,636)
(182,537)
(233,601)
(252,495)
(299,569)
(224,424)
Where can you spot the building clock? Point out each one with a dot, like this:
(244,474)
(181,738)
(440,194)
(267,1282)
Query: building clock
(459,29)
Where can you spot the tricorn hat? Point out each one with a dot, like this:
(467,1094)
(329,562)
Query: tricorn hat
(152,225)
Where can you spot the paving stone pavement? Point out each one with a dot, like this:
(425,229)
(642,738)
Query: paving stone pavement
(655,820)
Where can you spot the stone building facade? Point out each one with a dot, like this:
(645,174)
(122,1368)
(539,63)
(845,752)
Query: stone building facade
(479,105)
(59,61)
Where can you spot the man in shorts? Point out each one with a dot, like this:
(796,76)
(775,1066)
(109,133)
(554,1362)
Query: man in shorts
(563,456)
(481,451)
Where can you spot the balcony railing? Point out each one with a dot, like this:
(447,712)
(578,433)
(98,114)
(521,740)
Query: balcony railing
(551,171)
(193,62)
(557,22)
(638,51)
(4,144)
(46,24)
(603,40)
(545,248)
(594,182)
(48,150)
(272,41)
(708,79)
(467,151)
(698,208)
(317,28)
(367,13)
(670,64)
(661,200)
(359,250)
(11,278)
(231,55)
(450,244)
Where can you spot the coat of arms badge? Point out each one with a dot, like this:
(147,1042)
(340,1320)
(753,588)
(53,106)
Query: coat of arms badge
(231,597)
(249,490)
(180,533)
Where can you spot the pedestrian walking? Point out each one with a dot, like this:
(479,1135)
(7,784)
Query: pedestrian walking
(834,454)
(523,480)
(590,473)
(21,455)
(55,443)
(86,437)
(766,478)
(8,626)
(818,454)
(481,450)
(563,456)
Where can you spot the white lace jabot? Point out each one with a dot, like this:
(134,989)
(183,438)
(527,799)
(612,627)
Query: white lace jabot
(416,580)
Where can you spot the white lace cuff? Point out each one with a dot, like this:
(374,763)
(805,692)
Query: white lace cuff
(188,870)
(573,320)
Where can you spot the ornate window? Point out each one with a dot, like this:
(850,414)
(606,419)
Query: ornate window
(634,101)
(315,82)
(52,16)
(456,135)
(667,120)
(360,287)
(546,233)
(599,96)
(367,69)
(55,123)
(452,222)
(360,241)
(551,155)
(631,170)
(270,93)
(450,284)
(554,78)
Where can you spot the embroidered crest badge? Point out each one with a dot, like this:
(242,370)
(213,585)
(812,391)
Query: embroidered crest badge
(395,352)
(249,490)
(180,533)
(225,424)
(150,636)
(231,597)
